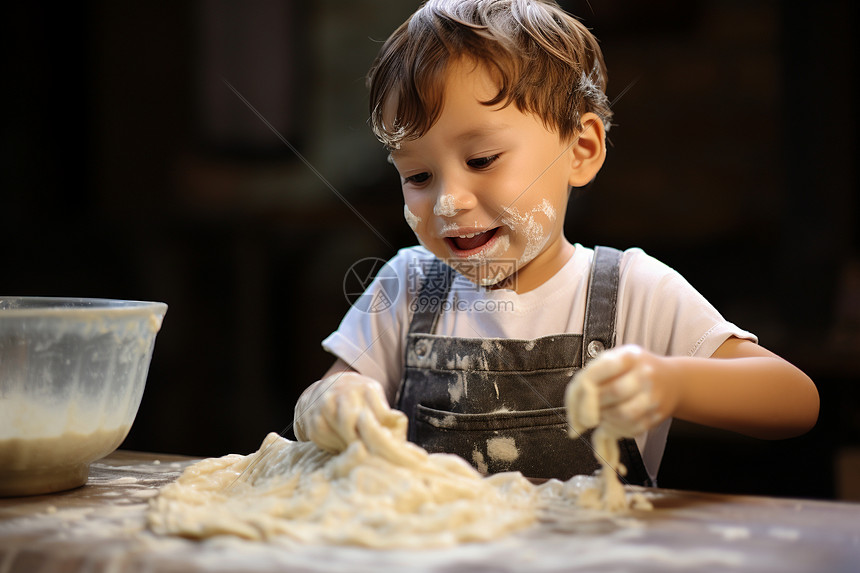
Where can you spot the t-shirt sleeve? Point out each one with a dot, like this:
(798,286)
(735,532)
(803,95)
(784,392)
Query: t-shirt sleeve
(662,312)
(370,336)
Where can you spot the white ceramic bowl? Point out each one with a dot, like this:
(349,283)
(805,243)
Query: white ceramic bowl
(72,373)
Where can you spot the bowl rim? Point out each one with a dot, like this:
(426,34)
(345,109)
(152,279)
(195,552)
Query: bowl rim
(61,305)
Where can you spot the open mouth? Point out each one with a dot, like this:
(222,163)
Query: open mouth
(471,241)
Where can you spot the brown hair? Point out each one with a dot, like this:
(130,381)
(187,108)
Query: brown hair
(545,60)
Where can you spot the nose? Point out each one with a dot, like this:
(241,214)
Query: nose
(452,199)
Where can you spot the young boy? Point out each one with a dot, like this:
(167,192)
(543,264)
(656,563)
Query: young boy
(492,111)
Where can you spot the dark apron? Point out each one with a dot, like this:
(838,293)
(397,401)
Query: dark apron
(499,403)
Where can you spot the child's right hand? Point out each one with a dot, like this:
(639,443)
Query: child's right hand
(622,391)
(330,412)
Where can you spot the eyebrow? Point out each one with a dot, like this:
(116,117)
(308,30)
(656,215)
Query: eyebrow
(463,137)
(479,132)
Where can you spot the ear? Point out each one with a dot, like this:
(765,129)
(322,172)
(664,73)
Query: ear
(588,151)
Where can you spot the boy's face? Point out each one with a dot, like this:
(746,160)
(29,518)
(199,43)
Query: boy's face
(486,188)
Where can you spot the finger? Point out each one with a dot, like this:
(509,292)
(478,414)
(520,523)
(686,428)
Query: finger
(309,405)
(302,414)
(327,430)
(376,401)
(299,431)
(624,428)
(632,417)
(611,364)
(382,443)
(394,420)
(325,438)
(582,405)
(634,408)
(345,414)
(622,388)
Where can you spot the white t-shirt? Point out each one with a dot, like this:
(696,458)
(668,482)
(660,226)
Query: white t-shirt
(657,309)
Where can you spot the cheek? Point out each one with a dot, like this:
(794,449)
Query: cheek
(417,210)
(411,218)
(419,199)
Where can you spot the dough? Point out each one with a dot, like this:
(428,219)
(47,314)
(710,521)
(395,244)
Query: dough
(381,491)
(583,412)
(405,498)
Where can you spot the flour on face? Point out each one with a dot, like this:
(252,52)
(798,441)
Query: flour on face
(445,207)
(536,234)
(411,218)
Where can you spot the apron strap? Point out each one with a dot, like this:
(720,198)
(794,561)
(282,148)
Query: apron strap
(599,334)
(427,306)
(598,331)
(600,306)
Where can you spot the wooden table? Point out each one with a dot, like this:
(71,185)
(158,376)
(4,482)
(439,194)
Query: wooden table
(102,527)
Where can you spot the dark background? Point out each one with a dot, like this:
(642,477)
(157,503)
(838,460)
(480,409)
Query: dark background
(130,169)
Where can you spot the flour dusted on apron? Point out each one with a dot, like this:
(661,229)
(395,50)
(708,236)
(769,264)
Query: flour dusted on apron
(499,403)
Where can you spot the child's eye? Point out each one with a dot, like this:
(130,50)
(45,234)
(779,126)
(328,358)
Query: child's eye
(418,178)
(482,162)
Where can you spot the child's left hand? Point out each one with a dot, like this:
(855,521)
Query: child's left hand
(624,386)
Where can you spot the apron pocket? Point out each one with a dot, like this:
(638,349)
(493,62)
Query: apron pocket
(533,442)
(492,421)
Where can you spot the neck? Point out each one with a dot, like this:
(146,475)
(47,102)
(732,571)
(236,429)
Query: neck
(542,267)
